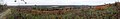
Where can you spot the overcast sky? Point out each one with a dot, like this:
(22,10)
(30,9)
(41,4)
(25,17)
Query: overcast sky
(59,2)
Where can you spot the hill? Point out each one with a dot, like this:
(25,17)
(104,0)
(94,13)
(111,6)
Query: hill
(107,11)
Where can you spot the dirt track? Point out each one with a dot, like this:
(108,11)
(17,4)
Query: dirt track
(5,13)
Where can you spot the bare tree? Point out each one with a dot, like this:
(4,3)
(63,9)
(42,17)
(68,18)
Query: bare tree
(21,0)
(15,1)
(24,1)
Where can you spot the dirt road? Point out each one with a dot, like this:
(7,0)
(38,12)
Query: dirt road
(3,14)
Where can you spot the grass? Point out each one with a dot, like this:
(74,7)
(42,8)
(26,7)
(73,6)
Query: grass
(79,14)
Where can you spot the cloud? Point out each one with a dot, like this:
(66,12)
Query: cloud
(62,2)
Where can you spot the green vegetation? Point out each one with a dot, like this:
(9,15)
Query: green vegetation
(71,14)
(42,12)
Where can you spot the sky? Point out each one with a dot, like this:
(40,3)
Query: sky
(58,2)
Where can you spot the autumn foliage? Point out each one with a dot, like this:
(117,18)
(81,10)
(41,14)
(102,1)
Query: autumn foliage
(86,12)
(101,7)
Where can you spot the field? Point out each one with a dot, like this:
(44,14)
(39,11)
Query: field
(38,12)
(63,12)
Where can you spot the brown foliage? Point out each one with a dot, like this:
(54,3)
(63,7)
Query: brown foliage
(101,7)
(53,11)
